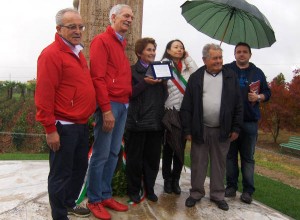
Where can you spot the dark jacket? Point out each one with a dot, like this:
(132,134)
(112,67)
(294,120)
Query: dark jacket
(246,76)
(146,106)
(231,112)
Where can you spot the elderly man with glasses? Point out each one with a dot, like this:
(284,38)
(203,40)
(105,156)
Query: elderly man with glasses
(65,99)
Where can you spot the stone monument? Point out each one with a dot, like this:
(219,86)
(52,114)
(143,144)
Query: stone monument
(95,16)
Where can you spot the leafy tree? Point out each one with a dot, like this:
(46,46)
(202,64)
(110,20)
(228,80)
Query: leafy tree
(22,87)
(276,113)
(31,86)
(9,85)
(294,88)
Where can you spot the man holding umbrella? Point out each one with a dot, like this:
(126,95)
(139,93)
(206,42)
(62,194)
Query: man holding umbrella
(211,113)
(254,89)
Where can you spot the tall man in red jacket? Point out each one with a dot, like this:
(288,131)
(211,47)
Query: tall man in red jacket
(65,99)
(111,75)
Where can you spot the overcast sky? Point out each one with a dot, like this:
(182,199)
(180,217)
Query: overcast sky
(28,26)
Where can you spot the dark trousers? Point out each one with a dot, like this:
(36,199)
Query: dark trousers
(68,166)
(142,160)
(169,157)
(245,145)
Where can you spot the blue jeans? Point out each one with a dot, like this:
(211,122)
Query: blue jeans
(104,158)
(245,145)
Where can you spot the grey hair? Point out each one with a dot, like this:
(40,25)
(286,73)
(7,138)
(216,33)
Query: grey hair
(207,47)
(60,14)
(115,10)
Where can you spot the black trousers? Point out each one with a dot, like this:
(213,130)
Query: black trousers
(68,166)
(143,151)
(169,157)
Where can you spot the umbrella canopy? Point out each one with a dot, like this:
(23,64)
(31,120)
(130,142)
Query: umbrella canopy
(230,21)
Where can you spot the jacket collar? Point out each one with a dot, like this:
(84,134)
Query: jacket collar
(62,45)
(113,33)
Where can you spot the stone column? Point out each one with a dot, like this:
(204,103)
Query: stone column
(95,14)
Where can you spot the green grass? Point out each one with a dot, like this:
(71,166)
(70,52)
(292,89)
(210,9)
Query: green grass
(23,156)
(274,194)
(277,195)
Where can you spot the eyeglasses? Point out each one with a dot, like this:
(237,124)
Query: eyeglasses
(74,27)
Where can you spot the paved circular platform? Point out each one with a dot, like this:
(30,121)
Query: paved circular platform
(23,196)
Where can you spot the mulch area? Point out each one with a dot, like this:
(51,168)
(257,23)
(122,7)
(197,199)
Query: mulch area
(290,160)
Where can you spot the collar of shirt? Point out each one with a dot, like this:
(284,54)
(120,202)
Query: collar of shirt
(213,74)
(120,37)
(76,49)
(144,64)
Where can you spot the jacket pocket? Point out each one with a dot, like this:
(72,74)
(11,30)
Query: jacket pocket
(66,95)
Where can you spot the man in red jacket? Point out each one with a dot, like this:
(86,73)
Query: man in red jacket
(65,99)
(111,75)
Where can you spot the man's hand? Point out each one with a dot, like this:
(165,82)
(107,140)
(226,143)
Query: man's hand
(108,121)
(53,141)
(252,96)
(233,136)
(152,81)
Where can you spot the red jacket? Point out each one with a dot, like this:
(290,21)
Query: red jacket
(110,69)
(64,89)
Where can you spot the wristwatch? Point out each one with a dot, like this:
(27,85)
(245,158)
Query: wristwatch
(258,98)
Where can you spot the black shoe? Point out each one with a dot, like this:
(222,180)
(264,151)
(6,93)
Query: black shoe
(152,197)
(135,198)
(168,186)
(246,197)
(222,204)
(175,186)
(79,211)
(190,201)
(230,192)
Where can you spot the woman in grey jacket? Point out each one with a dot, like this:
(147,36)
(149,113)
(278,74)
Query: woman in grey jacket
(183,66)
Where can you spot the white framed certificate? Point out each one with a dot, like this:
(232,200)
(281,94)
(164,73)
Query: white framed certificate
(160,70)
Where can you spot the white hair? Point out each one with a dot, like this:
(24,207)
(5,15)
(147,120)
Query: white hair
(60,14)
(207,47)
(115,10)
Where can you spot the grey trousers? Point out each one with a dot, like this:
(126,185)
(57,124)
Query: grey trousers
(215,151)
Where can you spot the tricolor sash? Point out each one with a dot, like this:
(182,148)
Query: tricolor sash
(178,80)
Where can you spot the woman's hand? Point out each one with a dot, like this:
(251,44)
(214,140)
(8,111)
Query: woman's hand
(152,81)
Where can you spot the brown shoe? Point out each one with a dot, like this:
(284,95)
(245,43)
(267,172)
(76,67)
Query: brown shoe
(78,211)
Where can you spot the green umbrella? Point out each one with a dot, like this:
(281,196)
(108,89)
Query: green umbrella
(230,21)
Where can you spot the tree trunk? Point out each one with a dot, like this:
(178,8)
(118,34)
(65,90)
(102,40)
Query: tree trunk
(95,14)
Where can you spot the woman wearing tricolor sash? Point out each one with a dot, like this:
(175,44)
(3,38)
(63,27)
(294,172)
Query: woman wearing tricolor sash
(174,143)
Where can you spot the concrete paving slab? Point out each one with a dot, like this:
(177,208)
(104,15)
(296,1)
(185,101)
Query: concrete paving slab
(23,196)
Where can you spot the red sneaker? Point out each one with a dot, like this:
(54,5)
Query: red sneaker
(113,204)
(98,210)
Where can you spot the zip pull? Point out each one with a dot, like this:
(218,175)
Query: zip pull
(72,102)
